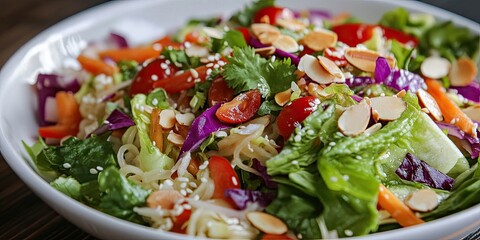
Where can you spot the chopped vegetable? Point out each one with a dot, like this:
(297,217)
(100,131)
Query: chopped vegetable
(96,66)
(68,118)
(397,208)
(139,54)
(116,120)
(244,199)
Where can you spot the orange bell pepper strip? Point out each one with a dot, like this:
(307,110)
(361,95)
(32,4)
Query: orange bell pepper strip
(450,111)
(96,66)
(139,54)
(397,209)
(68,118)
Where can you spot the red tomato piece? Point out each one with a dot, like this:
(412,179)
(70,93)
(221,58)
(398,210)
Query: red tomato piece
(223,176)
(219,92)
(294,113)
(154,72)
(339,61)
(267,236)
(241,109)
(271,14)
(355,33)
(180,220)
(183,81)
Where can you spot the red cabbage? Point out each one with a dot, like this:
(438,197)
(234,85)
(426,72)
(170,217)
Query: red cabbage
(360,81)
(243,198)
(398,79)
(205,124)
(255,43)
(470,92)
(118,40)
(116,120)
(456,132)
(266,179)
(47,86)
(416,170)
(315,17)
(356,98)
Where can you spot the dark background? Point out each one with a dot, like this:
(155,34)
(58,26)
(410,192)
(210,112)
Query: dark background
(22,214)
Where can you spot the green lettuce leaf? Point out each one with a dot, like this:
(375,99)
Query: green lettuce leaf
(120,196)
(245,17)
(150,156)
(180,59)
(81,159)
(67,185)
(401,19)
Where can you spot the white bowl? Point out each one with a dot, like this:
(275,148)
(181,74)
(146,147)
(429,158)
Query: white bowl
(48,50)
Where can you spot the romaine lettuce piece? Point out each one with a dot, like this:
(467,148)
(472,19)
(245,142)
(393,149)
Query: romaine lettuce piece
(150,157)
(67,185)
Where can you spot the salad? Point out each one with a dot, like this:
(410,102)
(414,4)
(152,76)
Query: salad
(270,124)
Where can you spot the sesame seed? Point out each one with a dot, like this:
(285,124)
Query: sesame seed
(67,165)
(155,101)
(93,171)
(196,197)
(169,182)
(234,180)
(346,177)
(99,168)
(203,179)
(183,185)
(221,63)
(187,206)
(183,192)
(216,66)
(358,157)
(154,77)
(332,144)
(310,132)
(194,73)
(297,138)
(348,232)
(189,79)
(154,143)
(157,47)
(209,71)
(187,44)
(192,184)
(333,179)
(189,191)
(295,162)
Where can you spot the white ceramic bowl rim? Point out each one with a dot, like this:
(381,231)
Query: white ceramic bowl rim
(73,210)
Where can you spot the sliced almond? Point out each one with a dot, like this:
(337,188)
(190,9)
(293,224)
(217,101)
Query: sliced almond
(319,39)
(258,28)
(354,120)
(185,119)
(423,200)
(388,108)
(401,94)
(435,67)
(332,68)
(473,112)
(428,102)
(311,66)
(364,59)
(292,24)
(164,199)
(283,98)
(373,129)
(268,37)
(286,43)
(267,223)
(299,74)
(265,51)
(167,118)
(175,138)
(463,72)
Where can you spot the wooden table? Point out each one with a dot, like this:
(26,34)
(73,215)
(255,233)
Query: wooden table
(22,214)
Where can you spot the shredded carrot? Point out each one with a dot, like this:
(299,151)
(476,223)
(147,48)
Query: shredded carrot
(96,66)
(404,216)
(450,111)
(168,42)
(139,54)
(156,131)
(68,117)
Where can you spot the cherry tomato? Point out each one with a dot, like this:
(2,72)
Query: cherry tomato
(219,92)
(196,37)
(223,176)
(339,61)
(271,14)
(180,220)
(168,42)
(294,113)
(241,109)
(267,236)
(155,71)
(355,33)
(245,33)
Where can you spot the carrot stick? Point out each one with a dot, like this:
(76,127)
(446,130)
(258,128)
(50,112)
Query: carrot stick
(156,131)
(68,117)
(404,216)
(96,66)
(139,54)
(450,111)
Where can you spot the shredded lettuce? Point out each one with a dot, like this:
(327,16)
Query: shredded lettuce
(150,156)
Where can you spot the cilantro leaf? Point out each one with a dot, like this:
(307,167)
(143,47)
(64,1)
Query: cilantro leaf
(180,59)
(245,17)
(232,38)
(247,70)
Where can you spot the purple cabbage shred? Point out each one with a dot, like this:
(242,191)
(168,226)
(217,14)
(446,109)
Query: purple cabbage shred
(456,132)
(244,198)
(116,120)
(416,170)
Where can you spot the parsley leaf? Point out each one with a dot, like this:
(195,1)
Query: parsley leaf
(245,17)
(247,70)
(232,38)
(180,59)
